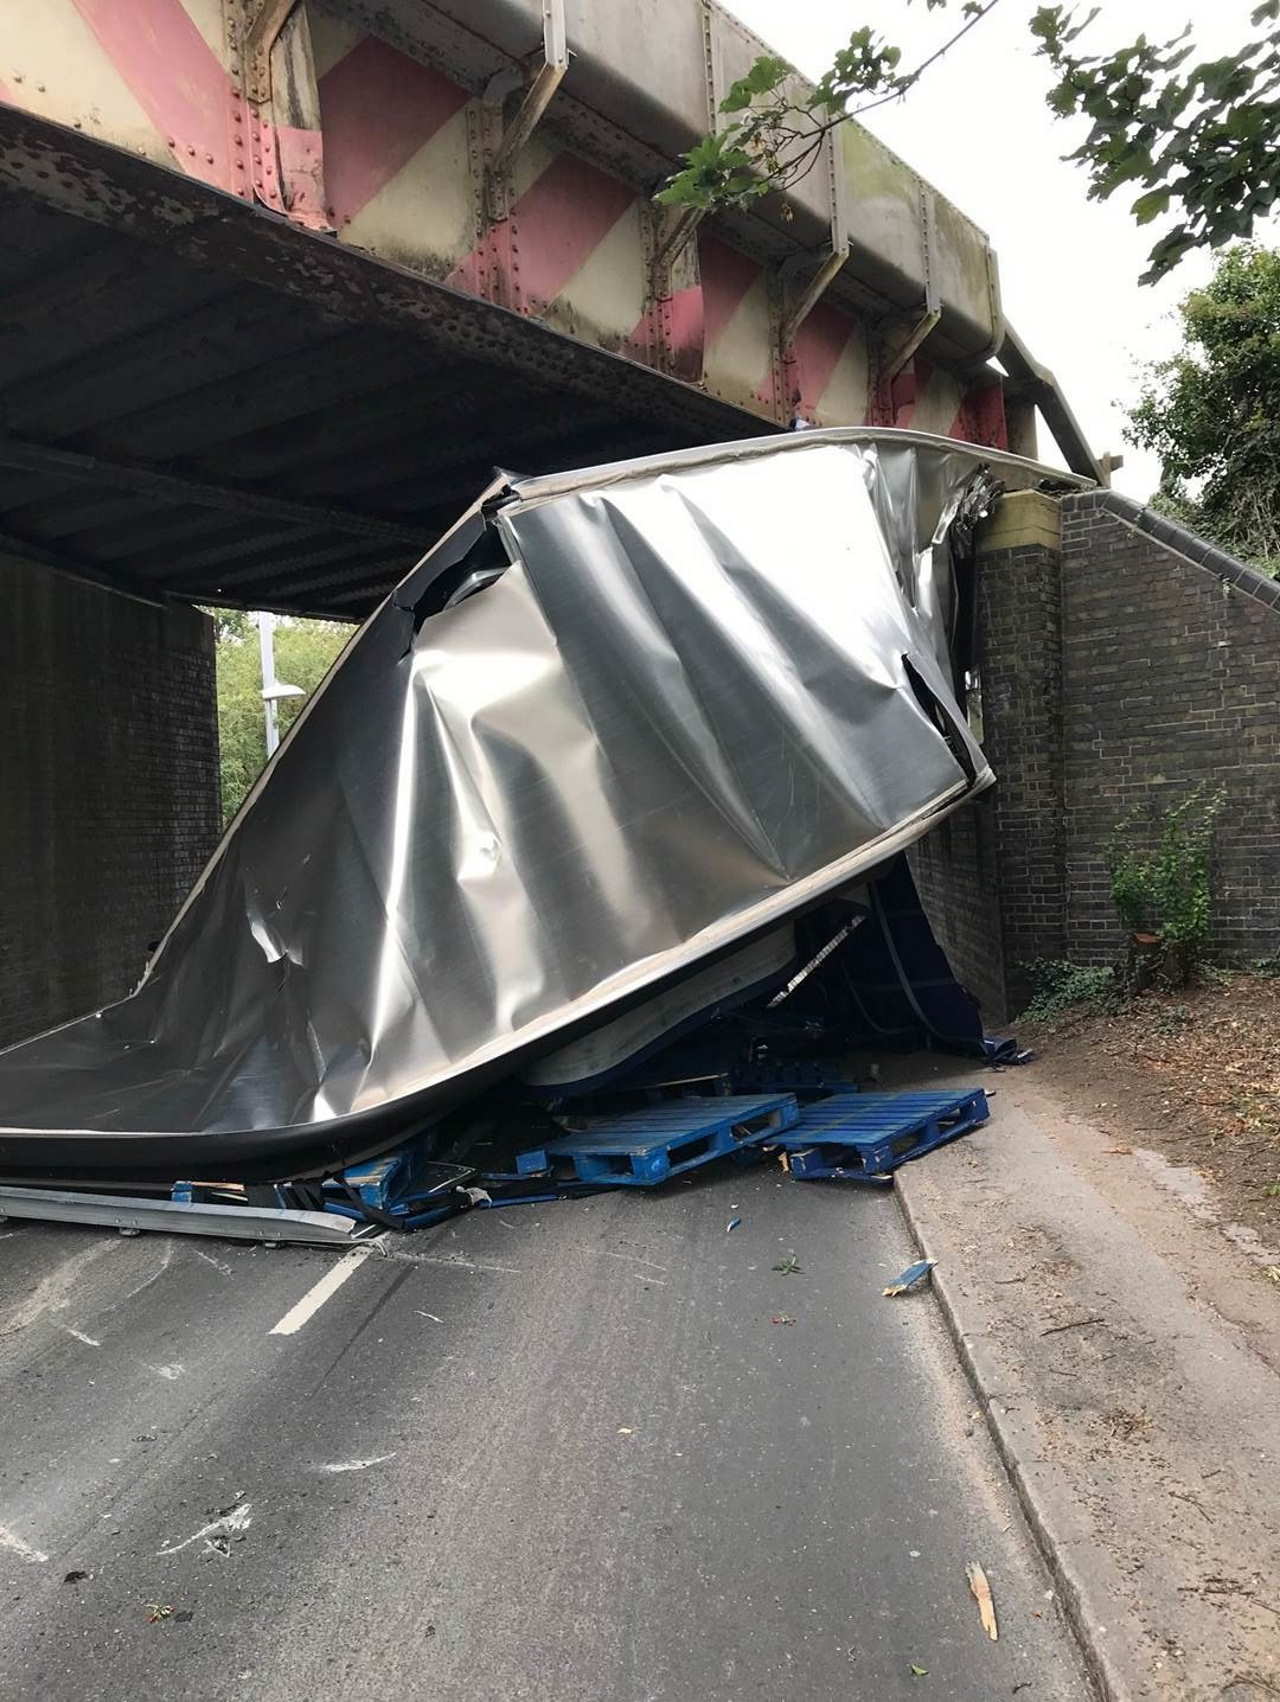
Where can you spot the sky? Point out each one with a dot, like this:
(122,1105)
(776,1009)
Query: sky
(976,126)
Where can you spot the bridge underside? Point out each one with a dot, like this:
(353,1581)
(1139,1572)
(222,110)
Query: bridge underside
(201,401)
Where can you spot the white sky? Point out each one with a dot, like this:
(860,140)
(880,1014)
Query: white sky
(977,127)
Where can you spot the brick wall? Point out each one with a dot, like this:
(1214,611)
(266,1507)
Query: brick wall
(956,875)
(109,780)
(1122,662)
(1170,677)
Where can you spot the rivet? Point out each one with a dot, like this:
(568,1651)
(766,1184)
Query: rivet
(39,88)
(16,77)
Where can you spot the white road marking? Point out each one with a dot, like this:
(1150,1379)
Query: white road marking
(80,1336)
(237,1519)
(329,1284)
(358,1465)
(24,1550)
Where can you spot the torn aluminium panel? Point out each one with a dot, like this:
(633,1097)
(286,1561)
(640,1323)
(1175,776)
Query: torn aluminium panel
(617,722)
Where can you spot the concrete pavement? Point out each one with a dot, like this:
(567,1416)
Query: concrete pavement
(556,1453)
(1127,1349)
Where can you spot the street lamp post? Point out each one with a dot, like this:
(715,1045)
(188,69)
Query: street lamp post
(272,688)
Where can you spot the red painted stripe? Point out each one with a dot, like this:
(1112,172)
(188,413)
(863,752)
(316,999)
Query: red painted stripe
(686,333)
(907,387)
(562,218)
(726,278)
(981,418)
(172,75)
(377,108)
(819,344)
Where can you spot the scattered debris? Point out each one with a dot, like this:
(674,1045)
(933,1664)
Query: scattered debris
(478,1196)
(358,1465)
(782,1318)
(1074,1324)
(156,1611)
(625,1430)
(75,1577)
(233,1518)
(919,1672)
(732,1225)
(790,1266)
(982,1595)
(910,1277)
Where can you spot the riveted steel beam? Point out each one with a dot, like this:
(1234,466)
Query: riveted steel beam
(540,92)
(265,20)
(174,488)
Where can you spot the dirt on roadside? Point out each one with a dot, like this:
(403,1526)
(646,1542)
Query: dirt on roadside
(1194,1075)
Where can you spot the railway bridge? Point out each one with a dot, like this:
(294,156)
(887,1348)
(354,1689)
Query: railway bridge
(283,280)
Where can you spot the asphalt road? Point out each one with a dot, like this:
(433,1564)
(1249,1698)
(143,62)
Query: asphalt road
(557,1453)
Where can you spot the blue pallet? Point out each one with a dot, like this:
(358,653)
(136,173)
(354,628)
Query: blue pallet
(864,1136)
(638,1149)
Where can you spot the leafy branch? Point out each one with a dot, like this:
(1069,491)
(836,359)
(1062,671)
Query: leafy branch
(1200,140)
(774,139)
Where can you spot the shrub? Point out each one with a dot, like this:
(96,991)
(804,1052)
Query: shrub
(1163,896)
(1062,986)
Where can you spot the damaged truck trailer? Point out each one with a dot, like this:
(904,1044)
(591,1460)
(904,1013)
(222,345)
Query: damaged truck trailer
(619,759)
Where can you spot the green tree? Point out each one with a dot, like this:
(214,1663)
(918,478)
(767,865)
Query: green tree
(304,650)
(1199,140)
(1212,412)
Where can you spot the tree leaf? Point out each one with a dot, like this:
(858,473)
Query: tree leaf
(1150,206)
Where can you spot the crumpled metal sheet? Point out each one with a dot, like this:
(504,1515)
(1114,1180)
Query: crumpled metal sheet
(708,689)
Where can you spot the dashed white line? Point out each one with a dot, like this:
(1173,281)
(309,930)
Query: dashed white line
(24,1550)
(329,1284)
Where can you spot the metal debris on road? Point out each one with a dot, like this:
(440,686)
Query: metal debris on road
(910,1277)
(982,1595)
(156,1611)
(919,1672)
(782,1318)
(732,1225)
(75,1577)
(790,1266)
